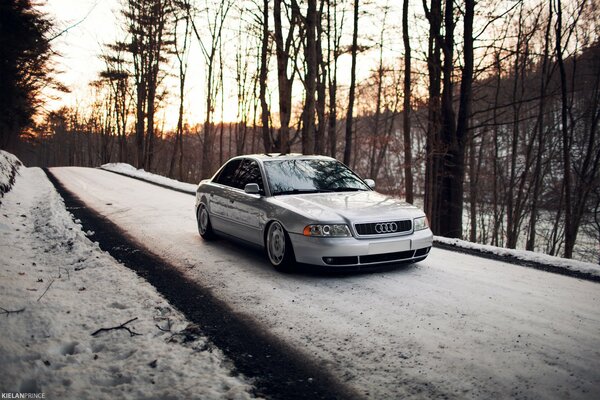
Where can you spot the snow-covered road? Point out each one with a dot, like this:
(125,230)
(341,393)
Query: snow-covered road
(453,326)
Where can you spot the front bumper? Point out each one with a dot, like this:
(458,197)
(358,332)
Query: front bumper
(350,251)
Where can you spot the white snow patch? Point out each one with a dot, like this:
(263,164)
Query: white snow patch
(129,170)
(572,265)
(66,288)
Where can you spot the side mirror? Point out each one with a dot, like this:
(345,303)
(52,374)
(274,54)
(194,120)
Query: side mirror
(252,188)
(370,183)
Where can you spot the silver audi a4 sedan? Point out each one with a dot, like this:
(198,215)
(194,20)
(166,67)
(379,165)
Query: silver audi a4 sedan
(309,209)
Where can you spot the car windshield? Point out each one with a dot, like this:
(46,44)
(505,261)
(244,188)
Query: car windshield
(311,176)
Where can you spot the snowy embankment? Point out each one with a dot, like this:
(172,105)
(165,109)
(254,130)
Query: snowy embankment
(509,254)
(523,255)
(9,165)
(129,170)
(77,324)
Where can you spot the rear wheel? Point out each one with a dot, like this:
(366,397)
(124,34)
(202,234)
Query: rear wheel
(279,248)
(204,226)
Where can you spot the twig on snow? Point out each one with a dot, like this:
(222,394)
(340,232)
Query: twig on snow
(167,329)
(51,282)
(122,326)
(7,312)
(66,270)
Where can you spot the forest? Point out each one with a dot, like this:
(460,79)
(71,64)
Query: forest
(484,113)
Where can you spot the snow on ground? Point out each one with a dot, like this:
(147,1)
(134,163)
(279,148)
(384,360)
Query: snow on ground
(453,326)
(129,170)
(9,165)
(57,287)
(573,265)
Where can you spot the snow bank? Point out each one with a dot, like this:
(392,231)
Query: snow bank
(57,288)
(528,256)
(129,170)
(9,165)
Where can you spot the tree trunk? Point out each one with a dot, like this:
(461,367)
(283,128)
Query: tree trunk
(566,137)
(408,176)
(285,83)
(537,175)
(310,81)
(456,168)
(264,114)
(321,86)
(350,111)
(433,154)
(452,165)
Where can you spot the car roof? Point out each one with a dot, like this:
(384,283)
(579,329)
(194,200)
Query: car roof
(288,156)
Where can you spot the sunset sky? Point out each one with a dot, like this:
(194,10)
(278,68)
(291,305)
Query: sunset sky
(92,23)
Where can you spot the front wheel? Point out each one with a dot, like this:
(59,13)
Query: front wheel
(204,226)
(279,248)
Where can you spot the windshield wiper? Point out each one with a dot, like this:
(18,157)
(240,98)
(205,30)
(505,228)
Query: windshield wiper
(301,191)
(348,189)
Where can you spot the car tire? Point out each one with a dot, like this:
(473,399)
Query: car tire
(279,247)
(204,226)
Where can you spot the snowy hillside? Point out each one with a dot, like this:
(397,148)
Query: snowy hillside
(61,296)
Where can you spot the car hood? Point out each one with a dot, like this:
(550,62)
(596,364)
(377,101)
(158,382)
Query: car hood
(362,206)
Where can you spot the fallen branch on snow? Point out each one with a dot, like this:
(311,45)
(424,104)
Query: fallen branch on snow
(7,312)
(51,282)
(122,326)
(167,329)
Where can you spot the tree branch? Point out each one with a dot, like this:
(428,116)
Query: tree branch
(48,287)
(7,312)
(122,326)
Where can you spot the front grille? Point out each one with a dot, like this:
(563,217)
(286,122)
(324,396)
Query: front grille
(382,228)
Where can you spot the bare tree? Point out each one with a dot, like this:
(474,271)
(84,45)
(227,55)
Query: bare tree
(117,76)
(285,50)
(147,23)
(264,71)
(214,22)
(334,35)
(350,111)
(310,80)
(181,50)
(408,177)
(433,12)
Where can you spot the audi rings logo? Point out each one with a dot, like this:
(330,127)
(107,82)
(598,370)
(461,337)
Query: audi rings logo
(386,227)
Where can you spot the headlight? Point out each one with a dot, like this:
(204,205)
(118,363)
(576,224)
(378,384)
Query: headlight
(327,230)
(420,223)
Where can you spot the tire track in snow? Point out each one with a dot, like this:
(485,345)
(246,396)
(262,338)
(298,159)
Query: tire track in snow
(277,370)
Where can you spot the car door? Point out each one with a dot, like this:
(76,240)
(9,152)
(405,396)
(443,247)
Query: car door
(247,209)
(221,198)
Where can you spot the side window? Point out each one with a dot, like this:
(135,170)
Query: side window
(227,175)
(249,172)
